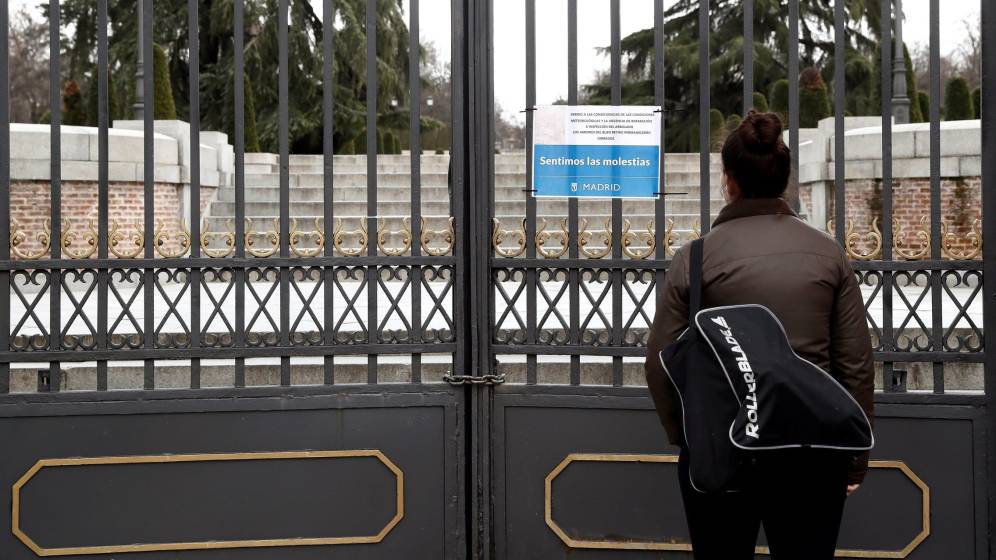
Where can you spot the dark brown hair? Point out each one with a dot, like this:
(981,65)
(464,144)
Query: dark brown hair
(755,156)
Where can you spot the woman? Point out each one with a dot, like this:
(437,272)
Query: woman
(760,252)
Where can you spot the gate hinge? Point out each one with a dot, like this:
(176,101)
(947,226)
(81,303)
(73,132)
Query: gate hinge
(489,379)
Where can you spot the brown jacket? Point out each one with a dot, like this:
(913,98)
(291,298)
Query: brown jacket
(760,252)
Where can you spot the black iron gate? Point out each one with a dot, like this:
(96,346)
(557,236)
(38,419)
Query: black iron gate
(428,386)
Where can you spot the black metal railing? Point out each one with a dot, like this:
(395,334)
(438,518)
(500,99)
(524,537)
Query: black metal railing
(220,296)
(592,306)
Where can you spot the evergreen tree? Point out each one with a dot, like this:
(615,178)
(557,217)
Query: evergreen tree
(93,101)
(923,100)
(958,100)
(165,108)
(681,37)
(977,102)
(216,34)
(916,109)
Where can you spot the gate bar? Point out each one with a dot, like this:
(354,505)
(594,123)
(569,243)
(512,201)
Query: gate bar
(371,273)
(55,196)
(415,149)
(988,32)
(705,151)
(839,209)
(328,83)
(4,191)
(103,201)
(531,272)
(617,273)
(149,184)
(749,54)
(793,99)
(239,336)
(886,339)
(574,297)
(194,277)
(937,342)
(282,136)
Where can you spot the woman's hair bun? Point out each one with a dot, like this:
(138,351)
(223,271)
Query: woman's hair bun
(756,157)
(760,132)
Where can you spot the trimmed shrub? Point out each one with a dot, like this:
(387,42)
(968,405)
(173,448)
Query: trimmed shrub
(716,128)
(732,122)
(917,114)
(73,110)
(165,108)
(814,101)
(923,100)
(958,100)
(760,102)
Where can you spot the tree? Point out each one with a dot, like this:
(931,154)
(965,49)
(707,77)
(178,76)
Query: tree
(165,107)
(681,37)
(977,102)
(28,67)
(814,102)
(305,79)
(958,100)
(114,110)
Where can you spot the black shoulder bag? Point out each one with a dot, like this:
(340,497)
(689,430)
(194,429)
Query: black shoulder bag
(743,390)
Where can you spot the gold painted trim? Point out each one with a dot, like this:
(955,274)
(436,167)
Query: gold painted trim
(657,545)
(205,545)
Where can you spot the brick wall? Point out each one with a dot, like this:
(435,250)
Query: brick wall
(30,206)
(961,203)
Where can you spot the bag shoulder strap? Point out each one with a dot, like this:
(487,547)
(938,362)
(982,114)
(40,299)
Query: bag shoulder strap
(695,279)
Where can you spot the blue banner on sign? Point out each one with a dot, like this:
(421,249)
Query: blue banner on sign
(596,171)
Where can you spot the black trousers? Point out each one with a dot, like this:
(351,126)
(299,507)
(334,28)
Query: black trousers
(796,495)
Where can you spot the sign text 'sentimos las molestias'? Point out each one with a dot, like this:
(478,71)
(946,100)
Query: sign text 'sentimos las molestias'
(596,151)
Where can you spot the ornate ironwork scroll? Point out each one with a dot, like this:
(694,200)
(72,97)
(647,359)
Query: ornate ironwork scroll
(630,239)
(272,237)
(585,239)
(126,246)
(340,235)
(544,237)
(500,235)
(297,237)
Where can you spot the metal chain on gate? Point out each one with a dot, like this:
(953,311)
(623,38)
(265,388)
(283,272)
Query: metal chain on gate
(489,379)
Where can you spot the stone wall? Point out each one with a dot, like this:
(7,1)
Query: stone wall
(960,179)
(30,188)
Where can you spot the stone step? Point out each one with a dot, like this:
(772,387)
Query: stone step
(672,180)
(317,194)
(429,193)
(682,222)
(400,208)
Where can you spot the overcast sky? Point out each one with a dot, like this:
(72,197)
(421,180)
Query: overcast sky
(593,32)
